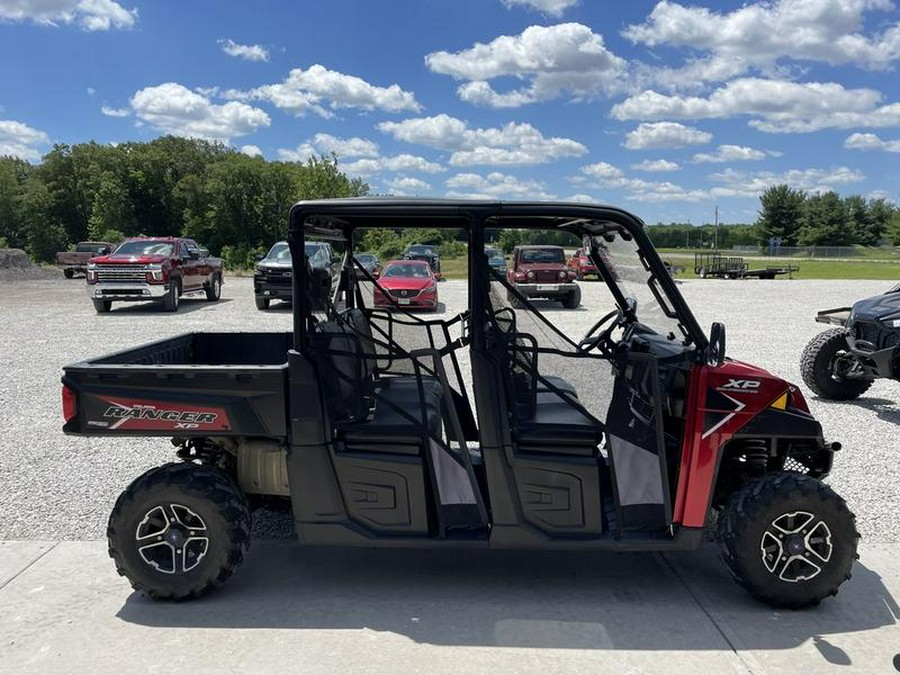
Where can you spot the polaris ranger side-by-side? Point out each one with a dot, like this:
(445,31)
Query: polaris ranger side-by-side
(362,421)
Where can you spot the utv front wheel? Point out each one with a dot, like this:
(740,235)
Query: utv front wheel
(789,539)
(826,365)
(179,531)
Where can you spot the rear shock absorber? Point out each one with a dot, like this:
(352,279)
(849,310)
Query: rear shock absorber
(750,454)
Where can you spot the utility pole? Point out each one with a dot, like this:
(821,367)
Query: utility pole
(716,235)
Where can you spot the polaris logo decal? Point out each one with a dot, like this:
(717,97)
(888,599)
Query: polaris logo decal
(744,386)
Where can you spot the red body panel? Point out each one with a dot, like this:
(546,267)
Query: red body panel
(720,402)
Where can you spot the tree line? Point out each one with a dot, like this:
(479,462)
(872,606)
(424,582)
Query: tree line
(237,205)
(234,204)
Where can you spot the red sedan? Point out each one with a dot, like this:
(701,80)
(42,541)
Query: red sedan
(410,283)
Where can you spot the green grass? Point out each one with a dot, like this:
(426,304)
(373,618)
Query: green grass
(863,268)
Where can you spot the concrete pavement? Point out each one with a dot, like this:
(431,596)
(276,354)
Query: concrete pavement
(291,609)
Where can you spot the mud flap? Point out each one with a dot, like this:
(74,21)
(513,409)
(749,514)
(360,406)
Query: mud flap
(637,452)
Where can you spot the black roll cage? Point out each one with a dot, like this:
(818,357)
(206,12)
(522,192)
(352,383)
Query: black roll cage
(338,219)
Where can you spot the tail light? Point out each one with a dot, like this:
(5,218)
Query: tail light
(68,403)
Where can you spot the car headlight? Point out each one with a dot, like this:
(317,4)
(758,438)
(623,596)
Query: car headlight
(530,275)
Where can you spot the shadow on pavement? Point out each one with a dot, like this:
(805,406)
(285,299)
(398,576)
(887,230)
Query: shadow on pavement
(516,599)
(185,306)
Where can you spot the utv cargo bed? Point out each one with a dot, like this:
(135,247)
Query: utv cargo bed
(198,384)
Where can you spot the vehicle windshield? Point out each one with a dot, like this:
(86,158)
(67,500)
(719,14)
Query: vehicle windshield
(282,252)
(406,270)
(91,248)
(315,251)
(493,254)
(542,255)
(421,250)
(365,258)
(145,247)
(635,281)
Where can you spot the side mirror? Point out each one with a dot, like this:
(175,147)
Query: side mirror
(260,257)
(715,352)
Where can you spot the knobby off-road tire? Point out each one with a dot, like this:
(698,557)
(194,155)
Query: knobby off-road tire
(179,531)
(817,367)
(788,539)
(214,290)
(573,299)
(173,297)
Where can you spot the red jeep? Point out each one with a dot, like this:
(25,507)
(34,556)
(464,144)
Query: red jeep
(541,272)
(159,268)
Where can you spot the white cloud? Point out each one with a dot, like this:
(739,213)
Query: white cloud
(91,15)
(371,167)
(749,184)
(91,91)
(606,175)
(20,140)
(656,165)
(779,106)
(760,33)
(251,150)
(870,142)
(567,58)
(734,153)
(175,109)
(582,198)
(495,185)
(408,186)
(246,52)
(325,144)
(320,91)
(512,145)
(114,112)
(553,8)
(660,135)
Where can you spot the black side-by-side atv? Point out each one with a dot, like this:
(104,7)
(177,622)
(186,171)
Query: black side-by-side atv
(841,363)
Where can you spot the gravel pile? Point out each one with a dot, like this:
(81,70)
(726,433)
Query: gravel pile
(58,487)
(15,265)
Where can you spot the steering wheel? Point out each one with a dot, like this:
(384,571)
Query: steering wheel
(600,341)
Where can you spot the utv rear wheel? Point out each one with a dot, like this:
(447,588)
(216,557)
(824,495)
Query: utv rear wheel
(214,290)
(788,539)
(173,297)
(179,531)
(262,303)
(573,299)
(826,365)
(102,306)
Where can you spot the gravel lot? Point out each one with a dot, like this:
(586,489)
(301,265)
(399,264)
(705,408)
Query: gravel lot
(58,487)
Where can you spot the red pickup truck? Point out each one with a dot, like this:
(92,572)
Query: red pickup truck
(157,268)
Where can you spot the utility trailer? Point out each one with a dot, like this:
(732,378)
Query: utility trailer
(361,424)
(714,264)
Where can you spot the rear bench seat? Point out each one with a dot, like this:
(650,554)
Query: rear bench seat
(366,410)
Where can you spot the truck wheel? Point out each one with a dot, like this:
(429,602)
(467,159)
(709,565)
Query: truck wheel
(825,363)
(702,273)
(573,299)
(262,303)
(102,306)
(170,302)
(68,274)
(788,539)
(179,531)
(214,290)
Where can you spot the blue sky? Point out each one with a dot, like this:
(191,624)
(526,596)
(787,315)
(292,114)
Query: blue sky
(669,110)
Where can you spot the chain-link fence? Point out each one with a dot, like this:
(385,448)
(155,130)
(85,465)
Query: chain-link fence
(806,251)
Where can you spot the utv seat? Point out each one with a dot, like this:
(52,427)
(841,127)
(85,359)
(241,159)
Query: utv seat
(398,414)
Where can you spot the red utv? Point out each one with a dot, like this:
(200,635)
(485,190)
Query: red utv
(362,422)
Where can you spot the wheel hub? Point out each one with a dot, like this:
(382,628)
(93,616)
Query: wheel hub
(796,546)
(172,538)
